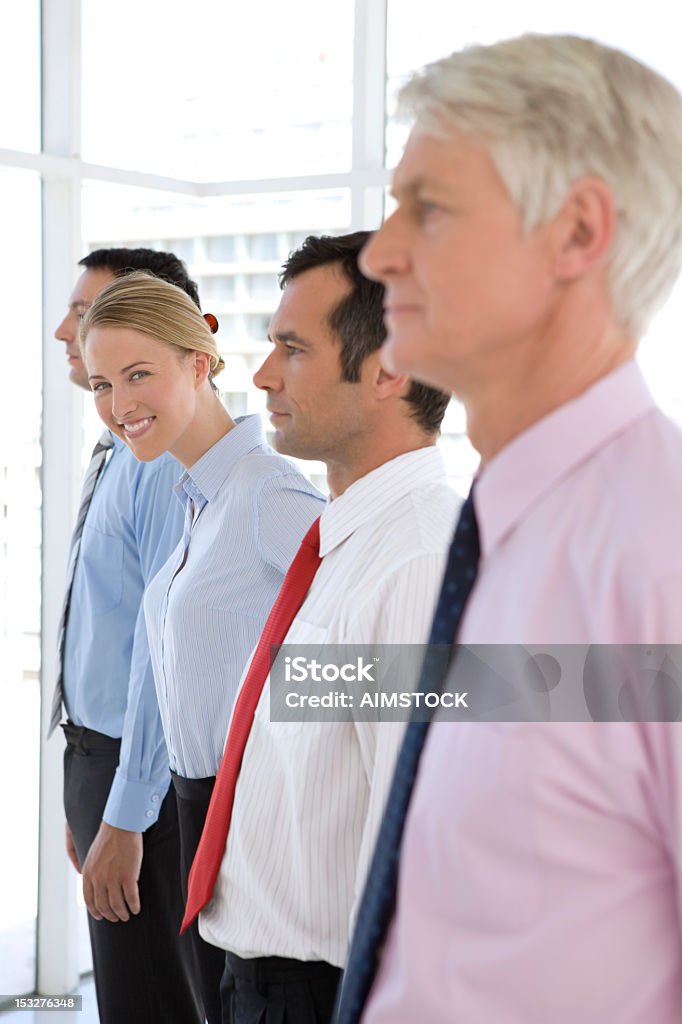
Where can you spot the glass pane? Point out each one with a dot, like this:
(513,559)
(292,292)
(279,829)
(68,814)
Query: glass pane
(260,91)
(20,76)
(419,33)
(423,33)
(20,539)
(234,248)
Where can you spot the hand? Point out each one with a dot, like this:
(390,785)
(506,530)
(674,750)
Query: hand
(71,849)
(110,874)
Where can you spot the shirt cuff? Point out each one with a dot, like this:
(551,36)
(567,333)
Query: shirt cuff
(134,806)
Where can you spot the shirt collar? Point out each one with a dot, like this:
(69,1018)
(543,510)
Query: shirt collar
(370,496)
(204,479)
(530,465)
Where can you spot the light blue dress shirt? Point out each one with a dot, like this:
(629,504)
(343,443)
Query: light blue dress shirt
(246,511)
(132,526)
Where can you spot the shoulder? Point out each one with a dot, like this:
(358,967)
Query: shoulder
(641,481)
(263,477)
(417,527)
(160,474)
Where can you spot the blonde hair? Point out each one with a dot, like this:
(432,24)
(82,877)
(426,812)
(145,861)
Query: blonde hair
(145,303)
(552,109)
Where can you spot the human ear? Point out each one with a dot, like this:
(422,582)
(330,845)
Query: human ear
(201,366)
(584,228)
(384,382)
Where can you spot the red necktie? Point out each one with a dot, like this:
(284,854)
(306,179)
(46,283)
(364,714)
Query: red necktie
(211,847)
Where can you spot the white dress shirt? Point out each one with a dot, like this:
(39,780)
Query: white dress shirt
(246,510)
(310,795)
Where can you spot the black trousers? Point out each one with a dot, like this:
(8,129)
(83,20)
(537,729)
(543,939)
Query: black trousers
(193,797)
(275,990)
(143,969)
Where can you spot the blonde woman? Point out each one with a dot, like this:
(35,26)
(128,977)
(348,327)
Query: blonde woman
(151,358)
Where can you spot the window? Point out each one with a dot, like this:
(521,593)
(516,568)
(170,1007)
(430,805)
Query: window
(20,78)
(218,96)
(20,541)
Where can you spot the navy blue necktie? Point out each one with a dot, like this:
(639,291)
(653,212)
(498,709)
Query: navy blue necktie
(378,901)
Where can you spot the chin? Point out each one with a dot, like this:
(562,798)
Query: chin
(284,447)
(400,354)
(79,380)
(408,356)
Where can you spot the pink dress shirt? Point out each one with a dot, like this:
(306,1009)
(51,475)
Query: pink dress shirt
(540,870)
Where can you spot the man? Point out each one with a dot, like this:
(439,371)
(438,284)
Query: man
(309,796)
(121,830)
(538,228)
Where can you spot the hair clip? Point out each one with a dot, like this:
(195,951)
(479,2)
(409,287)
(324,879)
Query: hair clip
(212,322)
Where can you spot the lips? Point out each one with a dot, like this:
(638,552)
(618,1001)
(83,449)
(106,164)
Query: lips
(137,428)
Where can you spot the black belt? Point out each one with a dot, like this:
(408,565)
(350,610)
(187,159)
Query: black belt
(85,740)
(280,970)
(193,789)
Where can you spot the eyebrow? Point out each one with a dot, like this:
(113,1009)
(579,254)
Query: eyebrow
(287,336)
(413,185)
(141,362)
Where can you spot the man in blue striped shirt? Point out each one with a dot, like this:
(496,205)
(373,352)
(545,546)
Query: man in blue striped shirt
(122,831)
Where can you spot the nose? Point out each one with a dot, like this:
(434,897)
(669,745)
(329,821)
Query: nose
(123,404)
(266,377)
(384,254)
(66,331)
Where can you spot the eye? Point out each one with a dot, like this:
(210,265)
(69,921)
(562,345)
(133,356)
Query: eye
(427,208)
(138,375)
(99,386)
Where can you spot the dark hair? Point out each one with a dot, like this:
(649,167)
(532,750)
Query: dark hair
(358,319)
(161,264)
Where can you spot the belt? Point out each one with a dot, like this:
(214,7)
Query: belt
(193,789)
(280,970)
(85,741)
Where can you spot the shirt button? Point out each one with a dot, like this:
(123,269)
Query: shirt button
(149,814)
(155,798)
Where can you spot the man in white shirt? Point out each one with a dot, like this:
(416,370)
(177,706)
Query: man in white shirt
(310,795)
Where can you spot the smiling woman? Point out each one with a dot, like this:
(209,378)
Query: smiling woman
(150,358)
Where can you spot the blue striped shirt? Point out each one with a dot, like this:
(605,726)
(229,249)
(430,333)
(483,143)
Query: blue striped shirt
(246,510)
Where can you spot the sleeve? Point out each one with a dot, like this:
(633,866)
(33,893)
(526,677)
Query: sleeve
(400,612)
(143,776)
(286,507)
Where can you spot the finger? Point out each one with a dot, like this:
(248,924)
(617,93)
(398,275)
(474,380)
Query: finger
(131,892)
(116,903)
(73,857)
(102,902)
(89,897)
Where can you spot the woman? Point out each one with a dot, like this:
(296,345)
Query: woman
(151,358)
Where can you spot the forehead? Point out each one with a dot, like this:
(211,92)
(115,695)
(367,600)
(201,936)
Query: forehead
(307,302)
(443,163)
(89,285)
(112,347)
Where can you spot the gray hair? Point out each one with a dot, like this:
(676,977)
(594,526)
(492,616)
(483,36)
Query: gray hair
(554,109)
